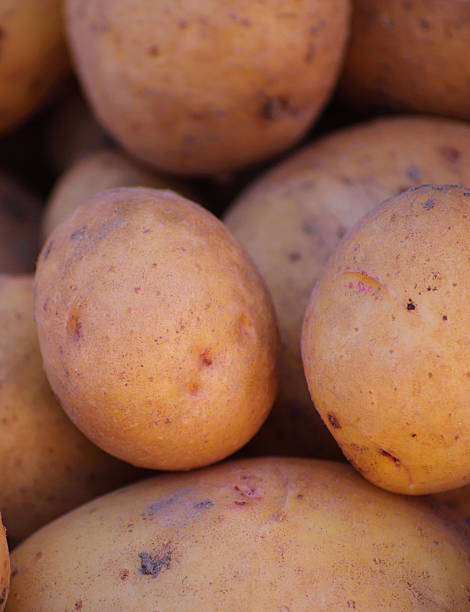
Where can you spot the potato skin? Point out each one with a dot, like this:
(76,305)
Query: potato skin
(291,219)
(206,88)
(4,567)
(158,285)
(34,57)
(259,534)
(409,56)
(104,169)
(19,220)
(384,342)
(48,466)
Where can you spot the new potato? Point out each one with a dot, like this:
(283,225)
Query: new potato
(204,88)
(157,332)
(47,466)
(291,219)
(410,56)
(258,535)
(33,57)
(385,342)
(4,566)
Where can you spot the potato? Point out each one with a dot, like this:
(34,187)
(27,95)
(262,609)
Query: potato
(4,567)
(260,534)
(19,221)
(157,285)
(204,88)
(93,173)
(291,219)
(47,466)
(385,342)
(34,57)
(409,56)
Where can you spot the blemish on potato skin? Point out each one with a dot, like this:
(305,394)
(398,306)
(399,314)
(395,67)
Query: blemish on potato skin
(206,358)
(410,305)
(429,204)
(154,565)
(153,51)
(450,154)
(78,234)
(3,595)
(48,249)
(385,453)
(204,504)
(333,421)
(278,108)
(124,574)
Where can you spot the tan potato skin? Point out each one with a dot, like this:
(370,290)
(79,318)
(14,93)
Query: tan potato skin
(4,567)
(159,286)
(291,219)
(19,233)
(34,57)
(93,173)
(409,55)
(261,534)
(47,466)
(207,87)
(384,342)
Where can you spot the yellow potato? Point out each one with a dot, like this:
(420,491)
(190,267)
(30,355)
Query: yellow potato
(409,56)
(93,173)
(260,534)
(33,57)
(291,219)
(385,342)
(157,332)
(19,233)
(47,466)
(204,88)
(4,567)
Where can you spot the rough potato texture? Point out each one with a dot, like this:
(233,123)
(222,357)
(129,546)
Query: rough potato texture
(409,55)
(385,342)
(157,333)
(291,219)
(47,466)
(19,233)
(260,534)
(33,56)
(93,173)
(210,86)
(4,567)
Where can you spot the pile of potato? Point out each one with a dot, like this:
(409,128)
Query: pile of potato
(234,266)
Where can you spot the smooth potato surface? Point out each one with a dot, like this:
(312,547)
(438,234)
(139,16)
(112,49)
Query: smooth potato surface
(385,342)
(409,56)
(34,56)
(292,218)
(47,466)
(204,88)
(159,287)
(260,534)
(4,567)
(104,169)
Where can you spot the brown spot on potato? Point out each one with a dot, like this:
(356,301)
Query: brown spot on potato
(294,256)
(204,504)
(385,453)
(206,358)
(78,234)
(311,52)
(153,51)
(278,108)
(450,154)
(411,305)
(78,605)
(153,565)
(124,574)
(194,389)
(333,421)
(412,172)
(444,317)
